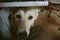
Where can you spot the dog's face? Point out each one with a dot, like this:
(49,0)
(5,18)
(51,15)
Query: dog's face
(23,20)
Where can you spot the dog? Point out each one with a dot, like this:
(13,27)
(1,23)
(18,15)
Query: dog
(21,20)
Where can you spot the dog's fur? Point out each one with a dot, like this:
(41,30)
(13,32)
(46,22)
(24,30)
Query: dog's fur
(52,23)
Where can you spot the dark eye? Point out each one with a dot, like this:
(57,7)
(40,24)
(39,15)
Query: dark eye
(30,17)
(18,16)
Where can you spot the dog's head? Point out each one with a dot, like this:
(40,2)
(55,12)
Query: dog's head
(22,20)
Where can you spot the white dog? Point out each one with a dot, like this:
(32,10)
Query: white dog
(22,20)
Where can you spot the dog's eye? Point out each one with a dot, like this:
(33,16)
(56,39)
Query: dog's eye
(18,16)
(30,17)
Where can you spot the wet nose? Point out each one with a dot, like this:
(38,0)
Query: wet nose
(23,34)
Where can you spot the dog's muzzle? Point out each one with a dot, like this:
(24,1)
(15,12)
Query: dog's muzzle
(22,34)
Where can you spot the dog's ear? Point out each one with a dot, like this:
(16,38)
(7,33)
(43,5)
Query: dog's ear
(36,13)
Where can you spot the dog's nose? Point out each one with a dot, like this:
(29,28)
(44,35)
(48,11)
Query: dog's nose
(23,34)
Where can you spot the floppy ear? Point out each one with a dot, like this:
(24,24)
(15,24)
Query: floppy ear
(36,13)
